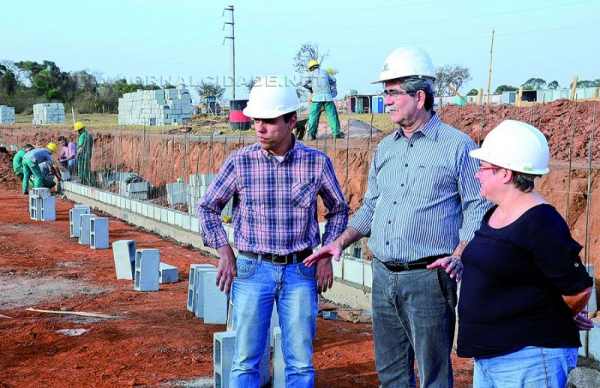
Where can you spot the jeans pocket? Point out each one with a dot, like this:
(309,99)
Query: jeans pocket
(245,268)
(306,272)
(448,287)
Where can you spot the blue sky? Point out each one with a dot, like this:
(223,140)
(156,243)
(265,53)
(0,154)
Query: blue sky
(183,39)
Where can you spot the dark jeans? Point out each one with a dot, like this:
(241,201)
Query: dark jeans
(413,318)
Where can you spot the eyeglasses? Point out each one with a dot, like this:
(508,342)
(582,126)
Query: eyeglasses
(395,93)
(483,168)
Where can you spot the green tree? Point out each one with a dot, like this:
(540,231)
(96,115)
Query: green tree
(505,88)
(534,84)
(553,85)
(8,81)
(473,92)
(449,79)
(206,89)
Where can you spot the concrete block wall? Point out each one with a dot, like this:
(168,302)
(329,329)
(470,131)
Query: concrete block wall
(7,114)
(176,193)
(124,258)
(147,264)
(99,233)
(48,113)
(155,107)
(197,188)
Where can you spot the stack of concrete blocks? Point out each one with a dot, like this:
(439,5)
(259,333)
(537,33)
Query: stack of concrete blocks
(197,188)
(124,257)
(42,205)
(155,107)
(135,190)
(74,218)
(168,273)
(147,267)
(176,193)
(85,225)
(99,233)
(223,349)
(48,113)
(7,114)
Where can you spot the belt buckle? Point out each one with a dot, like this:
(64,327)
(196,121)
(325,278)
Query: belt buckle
(279,259)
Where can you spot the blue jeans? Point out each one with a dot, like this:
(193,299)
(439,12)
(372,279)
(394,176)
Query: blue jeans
(258,285)
(413,318)
(530,367)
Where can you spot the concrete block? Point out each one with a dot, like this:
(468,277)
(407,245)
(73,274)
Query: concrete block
(171,217)
(192,284)
(85,227)
(215,301)
(147,264)
(137,187)
(41,192)
(592,304)
(156,211)
(168,273)
(124,257)
(99,233)
(583,349)
(178,219)
(35,207)
(164,215)
(223,348)
(337,268)
(278,360)
(42,208)
(199,293)
(186,222)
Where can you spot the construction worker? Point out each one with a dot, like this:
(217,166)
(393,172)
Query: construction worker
(85,143)
(421,208)
(32,163)
(67,156)
(17,162)
(276,182)
(322,85)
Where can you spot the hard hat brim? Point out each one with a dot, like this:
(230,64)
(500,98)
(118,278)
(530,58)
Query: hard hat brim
(266,114)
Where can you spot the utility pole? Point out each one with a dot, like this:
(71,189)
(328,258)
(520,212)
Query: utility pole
(489,88)
(232,37)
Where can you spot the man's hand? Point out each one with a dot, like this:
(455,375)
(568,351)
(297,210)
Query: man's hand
(324,275)
(327,252)
(226,269)
(582,321)
(451,264)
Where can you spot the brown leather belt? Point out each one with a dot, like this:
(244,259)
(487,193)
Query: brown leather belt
(290,258)
(395,266)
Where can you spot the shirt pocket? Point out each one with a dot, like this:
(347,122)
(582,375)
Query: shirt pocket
(303,193)
(431,182)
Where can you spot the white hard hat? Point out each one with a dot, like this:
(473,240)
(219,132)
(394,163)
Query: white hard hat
(271,97)
(516,146)
(406,62)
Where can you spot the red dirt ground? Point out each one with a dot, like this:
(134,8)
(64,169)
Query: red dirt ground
(155,340)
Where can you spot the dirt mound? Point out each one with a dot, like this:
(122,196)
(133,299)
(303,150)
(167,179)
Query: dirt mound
(560,121)
(8,179)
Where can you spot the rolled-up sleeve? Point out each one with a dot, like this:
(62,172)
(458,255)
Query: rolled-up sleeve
(333,199)
(219,192)
(362,219)
(473,204)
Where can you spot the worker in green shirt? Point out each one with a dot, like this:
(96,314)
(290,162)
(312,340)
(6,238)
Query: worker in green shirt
(85,143)
(17,162)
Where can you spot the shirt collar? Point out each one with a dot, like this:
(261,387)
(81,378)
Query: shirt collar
(296,145)
(430,129)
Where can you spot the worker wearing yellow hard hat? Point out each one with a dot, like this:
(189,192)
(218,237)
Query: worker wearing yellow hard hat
(323,87)
(37,164)
(85,143)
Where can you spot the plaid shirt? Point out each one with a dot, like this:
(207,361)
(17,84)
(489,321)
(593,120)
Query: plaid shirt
(275,203)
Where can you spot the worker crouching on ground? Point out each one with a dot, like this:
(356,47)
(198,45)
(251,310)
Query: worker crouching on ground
(524,284)
(85,144)
(37,163)
(17,162)
(275,184)
(322,87)
(421,207)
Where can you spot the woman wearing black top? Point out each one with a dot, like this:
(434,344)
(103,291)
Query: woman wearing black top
(523,286)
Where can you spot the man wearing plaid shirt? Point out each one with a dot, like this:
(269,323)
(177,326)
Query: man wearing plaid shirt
(274,184)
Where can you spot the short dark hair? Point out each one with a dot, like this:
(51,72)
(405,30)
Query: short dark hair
(523,182)
(288,116)
(28,146)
